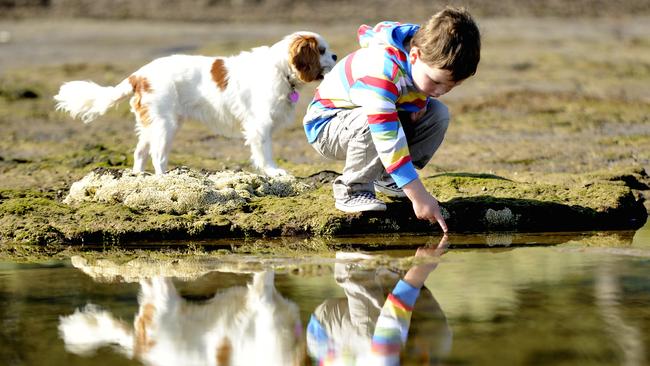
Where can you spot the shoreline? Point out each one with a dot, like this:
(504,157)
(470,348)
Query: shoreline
(471,202)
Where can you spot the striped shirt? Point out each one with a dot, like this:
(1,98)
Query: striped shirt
(393,324)
(377,78)
(391,332)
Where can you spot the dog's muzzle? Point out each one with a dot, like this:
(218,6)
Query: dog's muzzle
(324,70)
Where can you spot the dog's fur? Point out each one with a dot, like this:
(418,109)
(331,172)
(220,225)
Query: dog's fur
(251,325)
(251,92)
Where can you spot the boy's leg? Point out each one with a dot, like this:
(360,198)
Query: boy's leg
(347,137)
(425,136)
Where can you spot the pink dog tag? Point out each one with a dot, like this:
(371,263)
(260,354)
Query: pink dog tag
(294,96)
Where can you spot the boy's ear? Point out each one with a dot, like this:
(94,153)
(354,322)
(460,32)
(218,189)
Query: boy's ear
(414,54)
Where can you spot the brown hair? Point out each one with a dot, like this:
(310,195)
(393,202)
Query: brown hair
(140,85)
(450,41)
(305,57)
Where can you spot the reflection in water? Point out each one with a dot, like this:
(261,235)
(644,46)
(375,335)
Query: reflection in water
(255,324)
(252,325)
(627,336)
(369,326)
(580,303)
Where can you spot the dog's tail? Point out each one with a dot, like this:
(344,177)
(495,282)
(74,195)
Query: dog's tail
(91,328)
(87,100)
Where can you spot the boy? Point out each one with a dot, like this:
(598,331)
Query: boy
(377,109)
(370,327)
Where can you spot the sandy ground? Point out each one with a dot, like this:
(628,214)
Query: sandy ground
(54,42)
(551,95)
(507,42)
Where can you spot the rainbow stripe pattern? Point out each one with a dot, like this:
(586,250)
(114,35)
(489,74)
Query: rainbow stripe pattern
(376,78)
(391,332)
(393,324)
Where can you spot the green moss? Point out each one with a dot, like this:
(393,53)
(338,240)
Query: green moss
(21,206)
(94,156)
(27,216)
(473,202)
(598,195)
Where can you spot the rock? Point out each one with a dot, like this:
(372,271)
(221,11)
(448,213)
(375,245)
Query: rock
(117,206)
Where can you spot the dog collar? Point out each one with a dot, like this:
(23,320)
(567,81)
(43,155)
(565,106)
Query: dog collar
(294,96)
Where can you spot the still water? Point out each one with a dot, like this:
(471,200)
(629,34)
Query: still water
(572,302)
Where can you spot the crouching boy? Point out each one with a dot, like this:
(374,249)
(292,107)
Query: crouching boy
(377,109)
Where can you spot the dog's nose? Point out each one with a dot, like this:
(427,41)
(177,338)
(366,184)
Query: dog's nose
(334,57)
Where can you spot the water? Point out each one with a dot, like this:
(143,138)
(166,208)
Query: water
(583,302)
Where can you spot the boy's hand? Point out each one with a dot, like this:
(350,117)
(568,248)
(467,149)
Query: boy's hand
(434,251)
(419,273)
(425,205)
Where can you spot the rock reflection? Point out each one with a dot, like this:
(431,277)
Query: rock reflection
(251,325)
(382,307)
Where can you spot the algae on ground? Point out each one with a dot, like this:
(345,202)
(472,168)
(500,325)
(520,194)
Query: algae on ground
(189,207)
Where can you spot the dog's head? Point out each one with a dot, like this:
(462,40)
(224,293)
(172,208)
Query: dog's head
(310,56)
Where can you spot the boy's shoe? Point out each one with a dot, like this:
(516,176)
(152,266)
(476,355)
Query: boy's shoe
(359,202)
(388,187)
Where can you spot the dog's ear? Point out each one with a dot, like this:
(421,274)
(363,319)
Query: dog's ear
(305,57)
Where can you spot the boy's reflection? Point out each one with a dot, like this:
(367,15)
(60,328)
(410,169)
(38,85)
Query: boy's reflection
(368,327)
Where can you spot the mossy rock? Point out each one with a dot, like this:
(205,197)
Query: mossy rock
(471,203)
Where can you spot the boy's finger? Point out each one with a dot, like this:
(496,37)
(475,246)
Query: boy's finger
(443,245)
(441,222)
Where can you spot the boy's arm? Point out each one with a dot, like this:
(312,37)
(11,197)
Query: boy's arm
(375,88)
(376,91)
(393,324)
(394,321)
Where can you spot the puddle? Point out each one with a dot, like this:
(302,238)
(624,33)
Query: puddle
(580,302)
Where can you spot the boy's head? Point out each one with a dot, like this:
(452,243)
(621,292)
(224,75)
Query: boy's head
(445,51)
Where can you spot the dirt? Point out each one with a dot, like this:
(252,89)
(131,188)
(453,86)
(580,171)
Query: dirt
(288,11)
(557,104)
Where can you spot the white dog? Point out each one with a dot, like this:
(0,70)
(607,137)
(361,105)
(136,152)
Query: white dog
(254,92)
(251,325)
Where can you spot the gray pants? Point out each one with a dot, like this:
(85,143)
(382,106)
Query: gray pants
(347,137)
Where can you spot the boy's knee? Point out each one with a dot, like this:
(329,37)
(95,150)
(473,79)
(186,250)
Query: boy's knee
(364,134)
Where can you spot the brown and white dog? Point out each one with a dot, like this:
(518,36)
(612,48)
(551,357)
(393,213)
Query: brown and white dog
(253,92)
(251,325)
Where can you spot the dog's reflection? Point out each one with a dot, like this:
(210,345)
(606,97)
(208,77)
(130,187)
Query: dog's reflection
(252,325)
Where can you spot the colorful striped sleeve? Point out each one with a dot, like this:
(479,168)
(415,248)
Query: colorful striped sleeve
(393,324)
(376,91)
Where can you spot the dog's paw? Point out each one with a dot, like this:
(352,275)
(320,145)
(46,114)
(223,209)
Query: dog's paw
(275,172)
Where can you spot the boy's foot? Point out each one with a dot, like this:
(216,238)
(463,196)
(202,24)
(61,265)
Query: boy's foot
(388,187)
(359,202)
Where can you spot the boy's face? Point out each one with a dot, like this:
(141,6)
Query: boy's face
(432,81)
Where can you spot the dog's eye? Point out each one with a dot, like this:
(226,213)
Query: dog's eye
(322,51)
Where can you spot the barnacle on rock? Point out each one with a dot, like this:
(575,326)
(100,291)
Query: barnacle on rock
(500,218)
(180,191)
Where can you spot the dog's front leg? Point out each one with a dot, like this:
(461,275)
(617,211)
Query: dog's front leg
(259,140)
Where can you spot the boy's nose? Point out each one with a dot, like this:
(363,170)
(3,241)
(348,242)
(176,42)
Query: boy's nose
(334,57)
